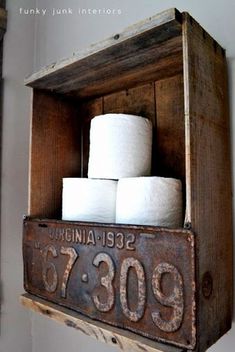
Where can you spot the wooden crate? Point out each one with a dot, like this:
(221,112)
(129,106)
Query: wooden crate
(171,71)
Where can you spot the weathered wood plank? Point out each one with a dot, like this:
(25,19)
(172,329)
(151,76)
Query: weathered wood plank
(126,341)
(139,28)
(109,74)
(136,101)
(170,131)
(208,175)
(87,111)
(114,60)
(55,152)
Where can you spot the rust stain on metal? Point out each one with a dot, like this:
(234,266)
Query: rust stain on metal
(106,282)
(50,287)
(138,278)
(71,252)
(138,313)
(175,300)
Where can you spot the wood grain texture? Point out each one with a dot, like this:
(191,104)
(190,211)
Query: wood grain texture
(55,152)
(112,65)
(87,111)
(126,341)
(208,174)
(120,73)
(170,132)
(136,101)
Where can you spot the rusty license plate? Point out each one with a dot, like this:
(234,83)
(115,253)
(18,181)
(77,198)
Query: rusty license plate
(134,277)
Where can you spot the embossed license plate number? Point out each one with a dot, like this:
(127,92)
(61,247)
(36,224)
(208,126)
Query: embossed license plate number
(137,278)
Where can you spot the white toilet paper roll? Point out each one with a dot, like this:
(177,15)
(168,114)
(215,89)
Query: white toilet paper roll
(89,200)
(149,201)
(120,146)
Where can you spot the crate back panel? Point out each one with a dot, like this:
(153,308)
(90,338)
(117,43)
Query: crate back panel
(60,136)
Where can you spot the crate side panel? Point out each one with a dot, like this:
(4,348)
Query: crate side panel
(209,177)
(170,132)
(55,152)
(88,110)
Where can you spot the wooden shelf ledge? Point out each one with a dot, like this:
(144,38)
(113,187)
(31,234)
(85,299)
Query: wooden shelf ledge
(126,341)
(112,64)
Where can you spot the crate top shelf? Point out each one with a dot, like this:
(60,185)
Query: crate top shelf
(147,51)
(149,46)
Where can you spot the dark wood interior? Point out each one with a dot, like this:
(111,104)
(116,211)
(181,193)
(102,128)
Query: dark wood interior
(60,136)
(139,71)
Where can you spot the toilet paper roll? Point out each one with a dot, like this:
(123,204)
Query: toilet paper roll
(120,146)
(89,200)
(149,201)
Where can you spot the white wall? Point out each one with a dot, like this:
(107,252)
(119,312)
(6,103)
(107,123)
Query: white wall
(15,325)
(30,44)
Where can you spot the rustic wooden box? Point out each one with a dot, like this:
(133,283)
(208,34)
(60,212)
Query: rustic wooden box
(170,70)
